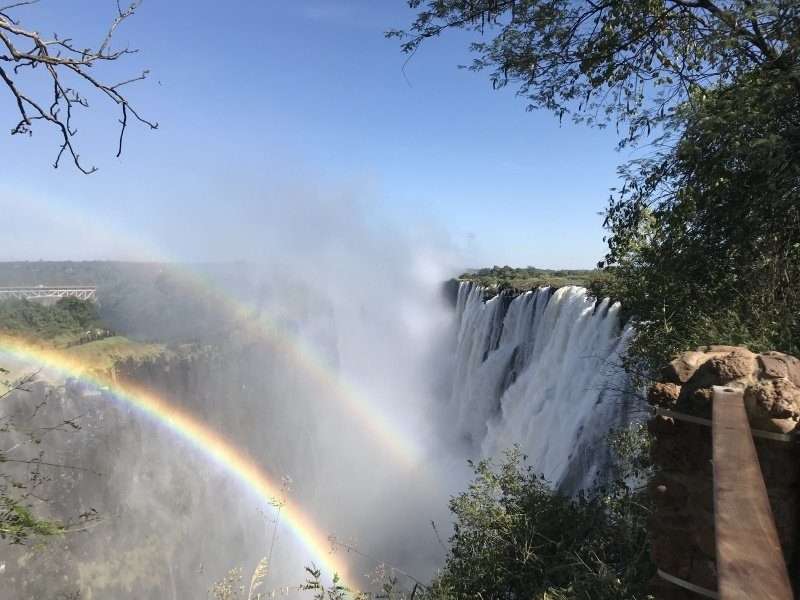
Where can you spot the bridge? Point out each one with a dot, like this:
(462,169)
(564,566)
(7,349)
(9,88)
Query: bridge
(83,292)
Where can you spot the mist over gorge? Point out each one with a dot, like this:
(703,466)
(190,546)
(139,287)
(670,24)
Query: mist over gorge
(260,335)
(363,402)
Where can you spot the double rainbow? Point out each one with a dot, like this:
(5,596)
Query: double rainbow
(209,443)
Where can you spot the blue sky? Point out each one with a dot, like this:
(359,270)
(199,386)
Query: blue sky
(256,98)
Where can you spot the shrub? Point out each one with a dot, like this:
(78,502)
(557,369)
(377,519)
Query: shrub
(514,537)
(68,316)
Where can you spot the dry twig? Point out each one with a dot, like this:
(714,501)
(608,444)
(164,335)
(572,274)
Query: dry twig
(61,61)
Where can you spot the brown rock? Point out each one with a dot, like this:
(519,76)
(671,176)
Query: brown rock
(732,366)
(659,425)
(717,370)
(663,394)
(779,425)
(773,399)
(681,369)
(672,552)
(792,365)
(705,540)
(698,402)
(773,365)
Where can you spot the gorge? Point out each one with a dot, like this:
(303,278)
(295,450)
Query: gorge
(373,467)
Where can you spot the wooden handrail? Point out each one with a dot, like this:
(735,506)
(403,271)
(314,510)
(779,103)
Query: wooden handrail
(750,563)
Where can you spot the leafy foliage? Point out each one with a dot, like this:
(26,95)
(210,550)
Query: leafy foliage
(705,244)
(18,523)
(68,316)
(705,232)
(229,587)
(314,584)
(515,537)
(628,61)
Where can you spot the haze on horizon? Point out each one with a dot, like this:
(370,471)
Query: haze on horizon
(299,111)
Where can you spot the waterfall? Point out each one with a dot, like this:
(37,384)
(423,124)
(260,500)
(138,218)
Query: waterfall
(542,370)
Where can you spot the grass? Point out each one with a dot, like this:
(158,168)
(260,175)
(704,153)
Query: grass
(102,355)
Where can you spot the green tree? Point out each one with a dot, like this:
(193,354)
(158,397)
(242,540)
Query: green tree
(703,234)
(514,537)
(629,61)
(705,244)
(68,316)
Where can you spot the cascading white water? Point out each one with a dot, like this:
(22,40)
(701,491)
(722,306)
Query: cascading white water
(542,370)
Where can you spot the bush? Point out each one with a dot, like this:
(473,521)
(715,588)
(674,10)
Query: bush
(514,537)
(68,316)
(705,244)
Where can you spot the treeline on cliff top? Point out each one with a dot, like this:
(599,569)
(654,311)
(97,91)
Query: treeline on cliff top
(66,318)
(529,278)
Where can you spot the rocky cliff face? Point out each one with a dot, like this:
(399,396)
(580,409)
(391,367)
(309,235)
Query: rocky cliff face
(170,523)
(682,525)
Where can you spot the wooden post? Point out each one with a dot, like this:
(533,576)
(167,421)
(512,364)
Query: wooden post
(750,563)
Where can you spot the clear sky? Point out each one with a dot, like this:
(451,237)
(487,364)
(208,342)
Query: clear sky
(255,98)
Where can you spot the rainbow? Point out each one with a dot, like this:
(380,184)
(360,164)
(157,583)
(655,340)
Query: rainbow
(383,430)
(207,441)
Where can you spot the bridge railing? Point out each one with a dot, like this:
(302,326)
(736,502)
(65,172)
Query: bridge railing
(84,292)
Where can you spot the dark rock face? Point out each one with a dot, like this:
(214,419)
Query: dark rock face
(682,524)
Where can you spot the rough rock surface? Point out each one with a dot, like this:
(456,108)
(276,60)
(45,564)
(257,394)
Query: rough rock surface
(682,523)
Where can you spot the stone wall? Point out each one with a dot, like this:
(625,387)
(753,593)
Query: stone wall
(682,524)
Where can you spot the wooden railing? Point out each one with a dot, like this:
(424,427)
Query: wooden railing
(750,563)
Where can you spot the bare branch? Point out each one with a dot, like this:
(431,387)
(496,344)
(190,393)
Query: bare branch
(59,58)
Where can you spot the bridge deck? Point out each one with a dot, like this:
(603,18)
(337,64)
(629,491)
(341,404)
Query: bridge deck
(750,563)
(84,292)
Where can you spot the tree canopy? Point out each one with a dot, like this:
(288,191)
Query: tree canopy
(704,232)
(624,61)
(705,243)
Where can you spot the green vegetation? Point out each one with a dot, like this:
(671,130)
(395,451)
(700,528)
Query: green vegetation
(18,524)
(103,354)
(705,244)
(529,278)
(74,325)
(516,538)
(704,233)
(67,320)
